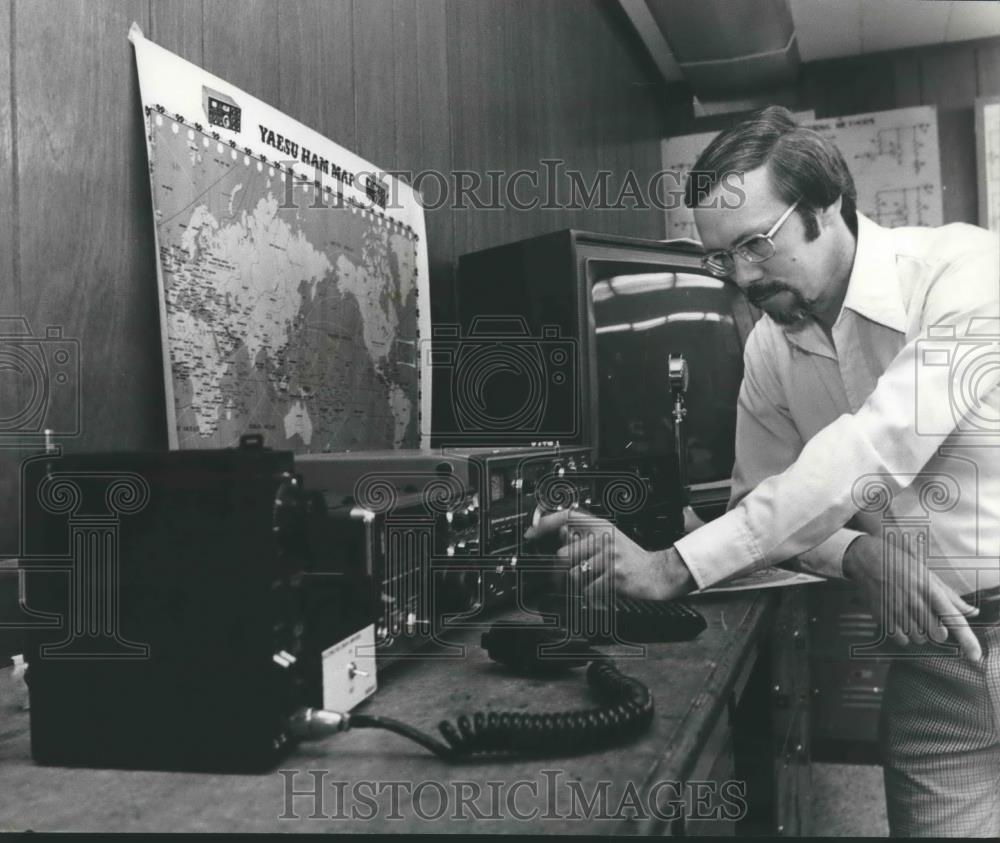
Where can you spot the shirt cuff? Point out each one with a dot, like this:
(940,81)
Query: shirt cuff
(827,558)
(721,549)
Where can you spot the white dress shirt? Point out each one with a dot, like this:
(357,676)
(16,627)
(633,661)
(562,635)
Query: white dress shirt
(896,425)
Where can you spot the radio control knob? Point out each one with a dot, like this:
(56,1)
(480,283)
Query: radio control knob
(461,519)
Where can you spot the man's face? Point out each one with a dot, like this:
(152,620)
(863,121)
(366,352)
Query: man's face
(796,283)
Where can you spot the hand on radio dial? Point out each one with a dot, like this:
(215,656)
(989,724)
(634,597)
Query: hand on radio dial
(595,547)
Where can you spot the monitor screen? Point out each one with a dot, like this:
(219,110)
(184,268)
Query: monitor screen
(642,314)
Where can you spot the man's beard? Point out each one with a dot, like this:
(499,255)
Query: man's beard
(794,315)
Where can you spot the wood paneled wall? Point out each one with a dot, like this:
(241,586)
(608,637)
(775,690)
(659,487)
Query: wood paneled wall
(407,84)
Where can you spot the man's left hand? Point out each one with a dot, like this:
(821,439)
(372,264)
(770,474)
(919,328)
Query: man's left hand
(595,547)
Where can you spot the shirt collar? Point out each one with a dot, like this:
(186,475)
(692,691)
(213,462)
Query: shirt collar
(872,289)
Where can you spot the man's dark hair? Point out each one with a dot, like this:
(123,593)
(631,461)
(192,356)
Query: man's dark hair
(802,164)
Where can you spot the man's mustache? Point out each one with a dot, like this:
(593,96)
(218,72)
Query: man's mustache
(759,292)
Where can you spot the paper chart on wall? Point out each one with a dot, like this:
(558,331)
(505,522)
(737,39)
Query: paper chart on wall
(893,157)
(988,158)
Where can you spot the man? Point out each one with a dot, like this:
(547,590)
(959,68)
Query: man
(856,407)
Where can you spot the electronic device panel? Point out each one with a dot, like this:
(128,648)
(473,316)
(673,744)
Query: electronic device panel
(440,533)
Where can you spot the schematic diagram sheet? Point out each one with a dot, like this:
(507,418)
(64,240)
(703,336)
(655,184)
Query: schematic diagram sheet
(893,156)
(988,149)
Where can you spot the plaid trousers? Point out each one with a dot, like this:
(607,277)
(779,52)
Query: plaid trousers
(940,741)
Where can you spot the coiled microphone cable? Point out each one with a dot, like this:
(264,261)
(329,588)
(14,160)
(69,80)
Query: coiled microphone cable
(626,710)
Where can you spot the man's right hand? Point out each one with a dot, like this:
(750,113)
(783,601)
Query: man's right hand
(909,601)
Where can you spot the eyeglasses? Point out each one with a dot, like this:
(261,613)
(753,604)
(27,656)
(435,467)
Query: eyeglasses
(757,248)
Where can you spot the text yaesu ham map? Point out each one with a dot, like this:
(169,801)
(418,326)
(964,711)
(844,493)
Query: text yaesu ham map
(292,274)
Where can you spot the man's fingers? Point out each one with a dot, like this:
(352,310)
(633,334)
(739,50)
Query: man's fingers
(597,588)
(966,609)
(918,614)
(589,557)
(948,606)
(581,541)
(899,637)
(937,632)
(546,524)
(584,576)
(945,596)
(580,549)
(965,638)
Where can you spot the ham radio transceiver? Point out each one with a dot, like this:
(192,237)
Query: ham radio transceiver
(441,531)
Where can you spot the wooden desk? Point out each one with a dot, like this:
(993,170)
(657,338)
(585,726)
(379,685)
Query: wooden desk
(732,692)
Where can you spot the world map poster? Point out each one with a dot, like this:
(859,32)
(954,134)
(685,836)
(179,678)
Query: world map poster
(292,274)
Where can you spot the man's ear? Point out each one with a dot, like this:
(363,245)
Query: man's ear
(829,215)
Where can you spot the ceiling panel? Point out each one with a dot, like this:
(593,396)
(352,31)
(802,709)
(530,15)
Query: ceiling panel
(892,24)
(832,28)
(973,20)
(825,30)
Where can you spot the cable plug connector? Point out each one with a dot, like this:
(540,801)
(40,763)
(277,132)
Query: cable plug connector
(310,724)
